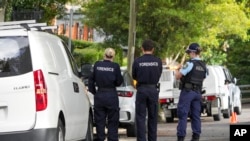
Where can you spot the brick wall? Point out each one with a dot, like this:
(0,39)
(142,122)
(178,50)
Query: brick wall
(77,32)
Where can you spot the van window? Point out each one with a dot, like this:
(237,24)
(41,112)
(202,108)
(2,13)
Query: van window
(73,64)
(15,58)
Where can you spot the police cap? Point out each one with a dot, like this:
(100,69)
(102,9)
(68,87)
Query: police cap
(193,47)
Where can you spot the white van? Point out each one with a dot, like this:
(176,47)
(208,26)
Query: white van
(169,94)
(42,97)
(222,95)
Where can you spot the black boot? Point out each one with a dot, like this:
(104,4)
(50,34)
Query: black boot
(195,137)
(180,138)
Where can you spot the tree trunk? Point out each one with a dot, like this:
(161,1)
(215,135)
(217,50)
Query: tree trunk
(2,11)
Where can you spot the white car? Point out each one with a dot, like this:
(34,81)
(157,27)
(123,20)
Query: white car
(127,95)
(222,95)
(42,97)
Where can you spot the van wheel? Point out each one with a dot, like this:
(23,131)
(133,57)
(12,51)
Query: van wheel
(169,119)
(131,130)
(90,134)
(216,117)
(60,131)
(227,114)
(209,109)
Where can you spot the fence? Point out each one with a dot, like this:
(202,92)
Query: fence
(245,90)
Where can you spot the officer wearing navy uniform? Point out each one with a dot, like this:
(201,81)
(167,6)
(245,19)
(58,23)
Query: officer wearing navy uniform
(106,77)
(191,76)
(146,70)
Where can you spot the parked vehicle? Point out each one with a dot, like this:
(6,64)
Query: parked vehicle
(169,94)
(86,70)
(127,95)
(42,97)
(222,95)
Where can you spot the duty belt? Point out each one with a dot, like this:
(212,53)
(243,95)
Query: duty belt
(106,89)
(191,86)
(148,85)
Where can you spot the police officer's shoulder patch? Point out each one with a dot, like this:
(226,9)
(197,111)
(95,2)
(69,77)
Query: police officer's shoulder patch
(185,66)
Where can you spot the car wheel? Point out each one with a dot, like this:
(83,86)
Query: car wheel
(237,110)
(90,134)
(227,112)
(60,131)
(131,130)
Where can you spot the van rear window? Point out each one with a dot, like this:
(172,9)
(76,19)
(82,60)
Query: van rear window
(15,58)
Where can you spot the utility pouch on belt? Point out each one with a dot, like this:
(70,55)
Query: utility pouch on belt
(188,86)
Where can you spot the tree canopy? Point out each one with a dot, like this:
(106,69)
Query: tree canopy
(173,24)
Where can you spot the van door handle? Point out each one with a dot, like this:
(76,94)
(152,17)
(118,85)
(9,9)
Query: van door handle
(76,87)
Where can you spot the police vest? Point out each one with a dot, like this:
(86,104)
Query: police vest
(197,74)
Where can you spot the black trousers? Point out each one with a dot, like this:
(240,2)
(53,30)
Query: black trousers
(146,106)
(106,112)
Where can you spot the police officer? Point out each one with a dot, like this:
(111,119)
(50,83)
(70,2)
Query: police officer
(106,76)
(191,75)
(146,70)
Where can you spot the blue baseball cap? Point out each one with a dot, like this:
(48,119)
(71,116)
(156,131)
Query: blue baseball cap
(194,47)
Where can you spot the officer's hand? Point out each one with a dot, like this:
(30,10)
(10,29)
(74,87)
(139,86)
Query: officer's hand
(178,67)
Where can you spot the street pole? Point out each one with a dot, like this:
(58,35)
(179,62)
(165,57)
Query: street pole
(70,28)
(131,36)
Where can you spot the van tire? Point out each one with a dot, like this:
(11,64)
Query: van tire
(60,133)
(169,119)
(131,130)
(216,117)
(227,114)
(209,109)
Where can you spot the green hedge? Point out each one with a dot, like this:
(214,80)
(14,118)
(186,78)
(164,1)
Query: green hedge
(90,52)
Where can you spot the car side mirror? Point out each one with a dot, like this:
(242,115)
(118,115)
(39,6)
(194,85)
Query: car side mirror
(235,80)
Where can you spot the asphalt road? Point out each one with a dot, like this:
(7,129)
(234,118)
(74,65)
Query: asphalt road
(211,130)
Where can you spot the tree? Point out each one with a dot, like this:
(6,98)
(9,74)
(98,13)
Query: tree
(172,24)
(2,9)
(50,8)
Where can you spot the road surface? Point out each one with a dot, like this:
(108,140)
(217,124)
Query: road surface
(211,130)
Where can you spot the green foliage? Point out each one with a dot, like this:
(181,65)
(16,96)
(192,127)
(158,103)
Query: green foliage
(82,44)
(239,60)
(88,55)
(172,24)
(51,8)
(89,52)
